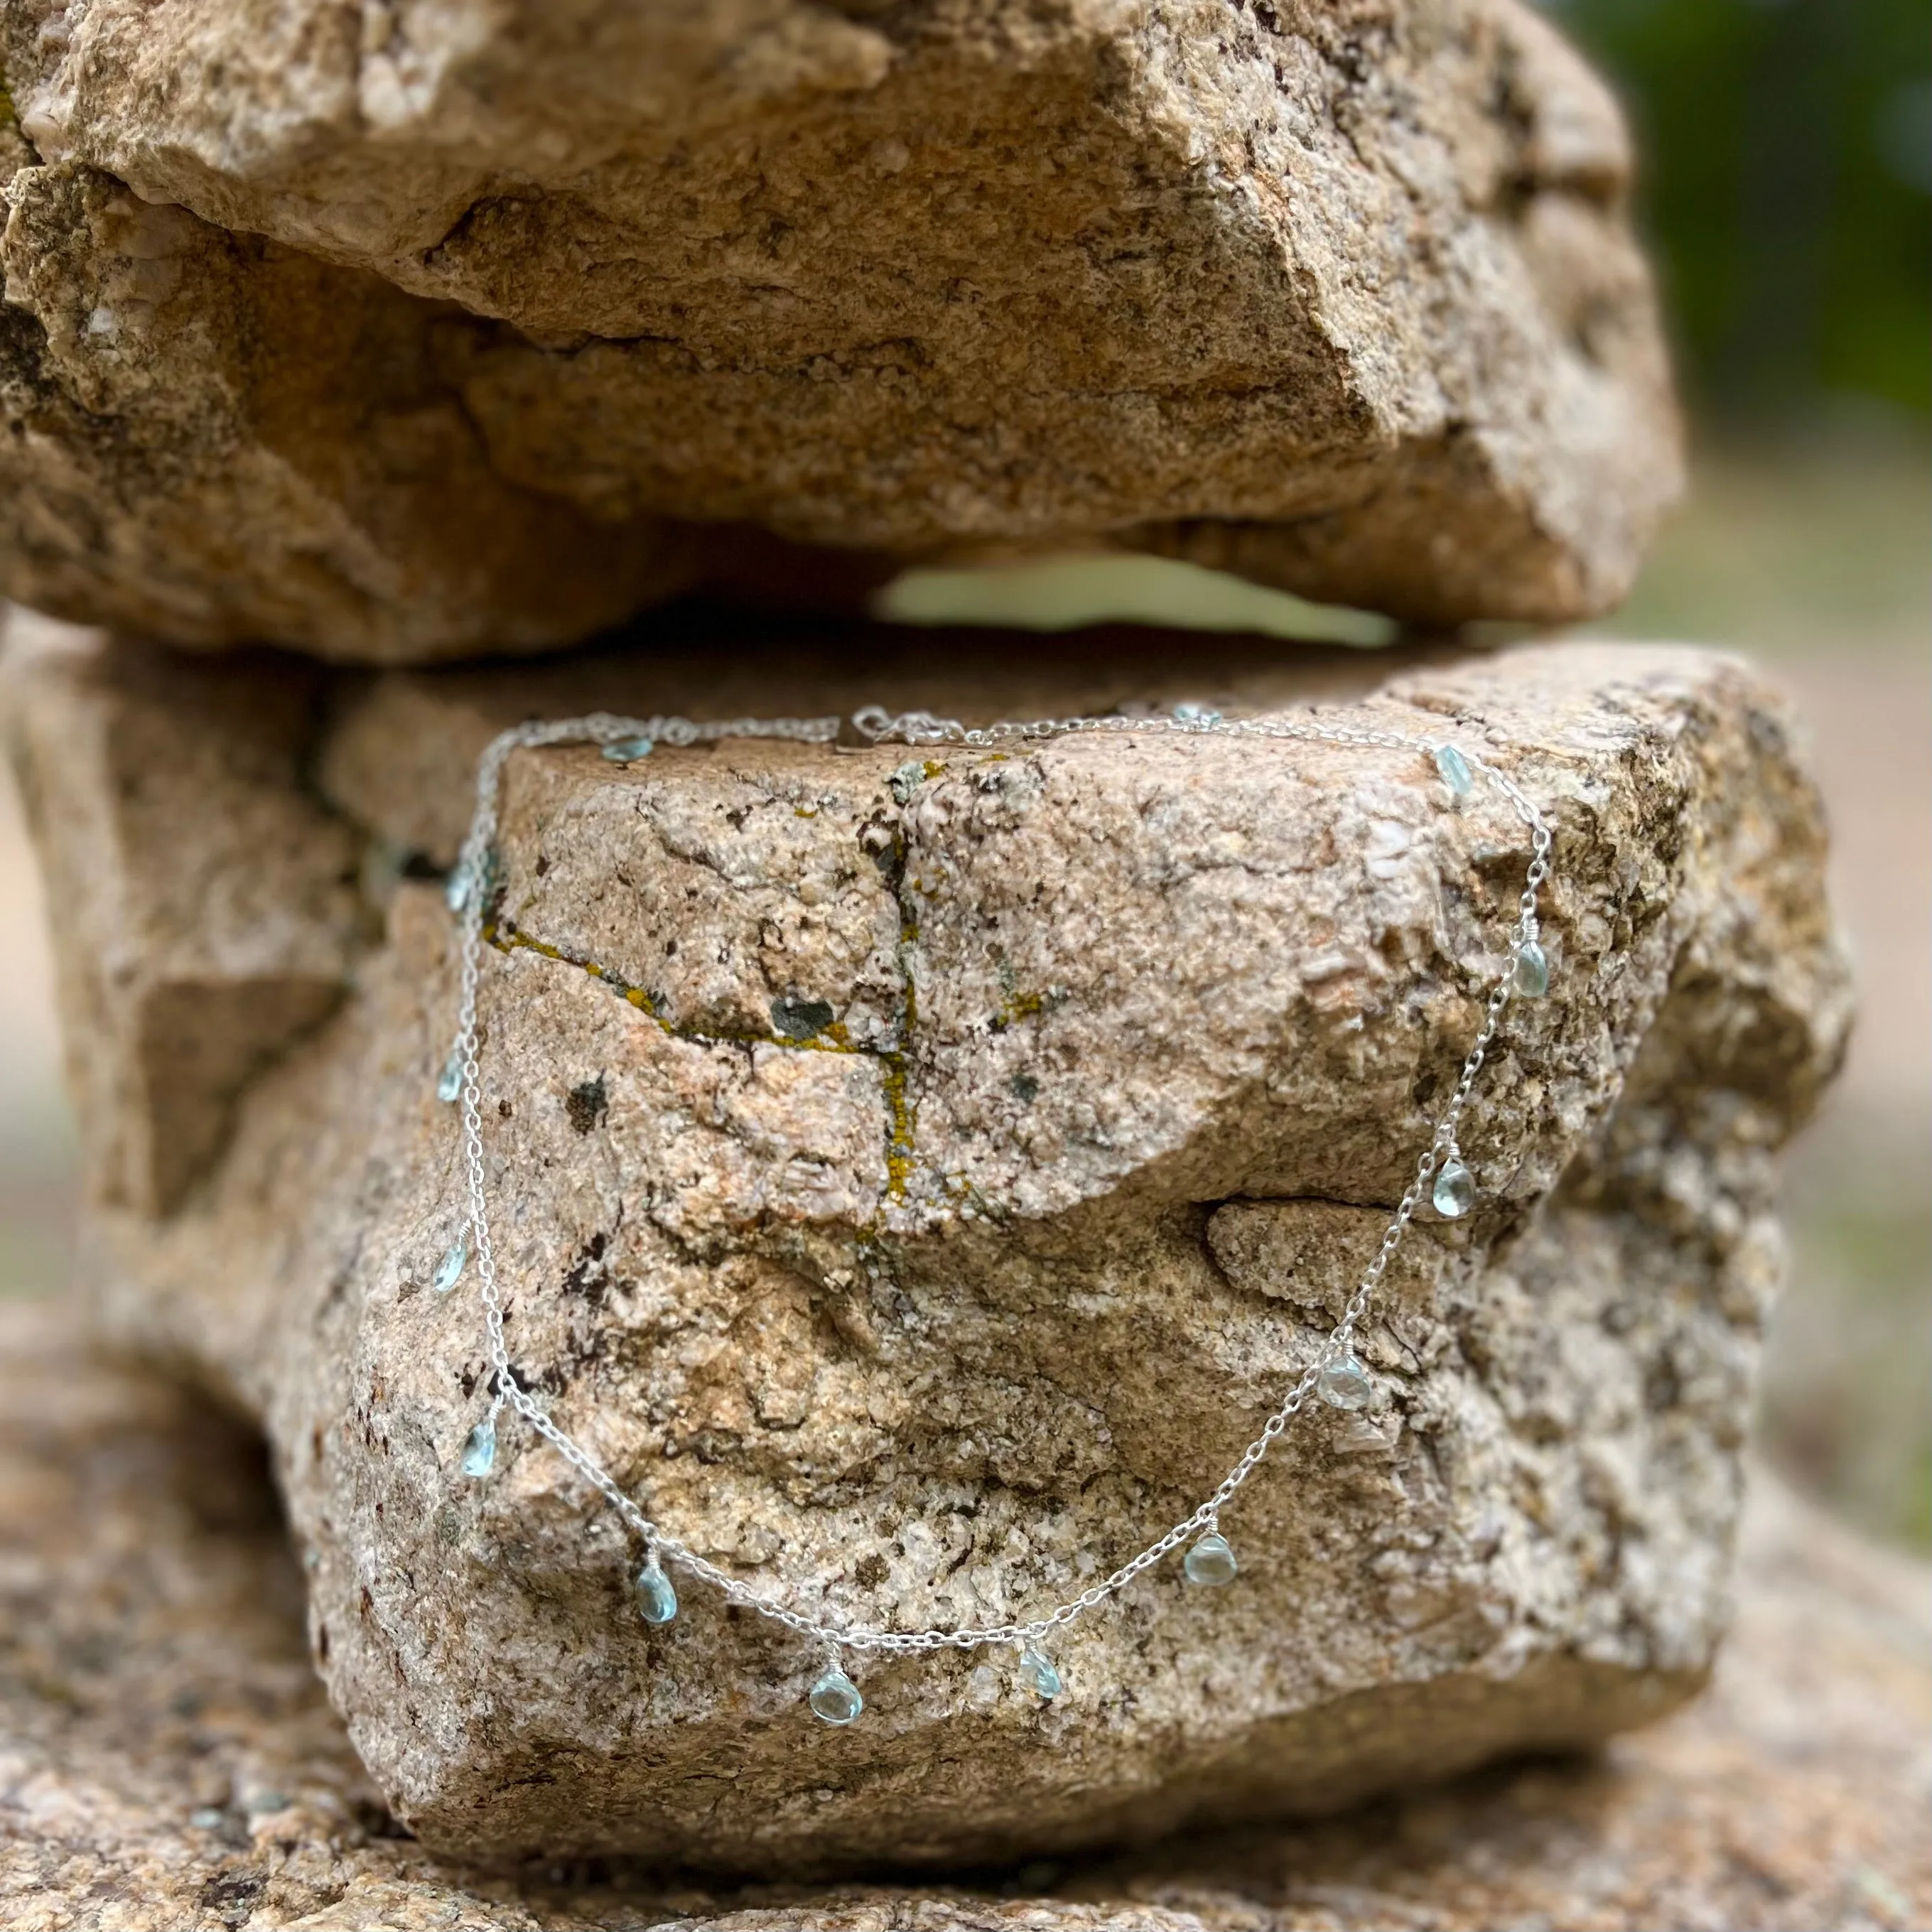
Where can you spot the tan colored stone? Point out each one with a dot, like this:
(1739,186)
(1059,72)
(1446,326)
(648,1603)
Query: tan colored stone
(215,439)
(1066,1090)
(436,331)
(168,1760)
(208,956)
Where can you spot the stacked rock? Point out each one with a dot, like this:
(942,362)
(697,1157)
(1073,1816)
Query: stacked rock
(915,1174)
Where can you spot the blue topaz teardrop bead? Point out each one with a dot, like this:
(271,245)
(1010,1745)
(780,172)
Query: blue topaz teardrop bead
(461,889)
(1038,1675)
(627,751)
(479,1452)
(1344,1383)
(449,1269)
(1454,1193)
(1532,971)
(449,1082)
(1455,769)
(657,1601)
(1210,1561)
(835,1698)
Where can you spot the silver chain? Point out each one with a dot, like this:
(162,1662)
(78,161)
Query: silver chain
(472,880)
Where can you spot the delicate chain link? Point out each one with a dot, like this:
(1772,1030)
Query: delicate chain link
(473,880)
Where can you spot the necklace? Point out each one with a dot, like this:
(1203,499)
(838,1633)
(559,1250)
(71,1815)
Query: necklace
(1335,1376)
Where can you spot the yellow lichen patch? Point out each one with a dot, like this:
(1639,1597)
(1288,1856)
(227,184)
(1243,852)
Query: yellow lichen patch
(900,1157)
(1017,1007)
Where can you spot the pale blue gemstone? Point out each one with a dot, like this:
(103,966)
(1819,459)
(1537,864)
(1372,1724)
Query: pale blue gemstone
(449,1081)
(449,1269)
(623,750)
(1532,972)
(1210,1561)
(1455,769)
(1454,1193)
(479,1452)
(1037,1673)
(657,1601)
(835,1699)
(1344,1383)
(459,889)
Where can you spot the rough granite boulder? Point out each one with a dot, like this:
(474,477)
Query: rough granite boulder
(168,1763)
(1046,1105)
(419,330)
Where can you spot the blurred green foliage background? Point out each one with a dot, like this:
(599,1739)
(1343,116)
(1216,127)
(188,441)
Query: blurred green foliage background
(1788,148)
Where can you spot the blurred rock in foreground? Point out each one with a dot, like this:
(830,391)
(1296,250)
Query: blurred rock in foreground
(168,1763)
(918,1175)
(425,332)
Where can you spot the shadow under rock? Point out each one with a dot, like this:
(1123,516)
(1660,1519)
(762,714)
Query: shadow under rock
(713,660)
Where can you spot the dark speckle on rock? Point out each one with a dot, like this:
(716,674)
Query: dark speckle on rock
(801,1019)
(232,1896)
(587,1105)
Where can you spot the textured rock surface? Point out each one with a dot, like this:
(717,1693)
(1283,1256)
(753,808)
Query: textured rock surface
(1064,1094)
(208,954)
(216,439)
(417,326)
(168,1763)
